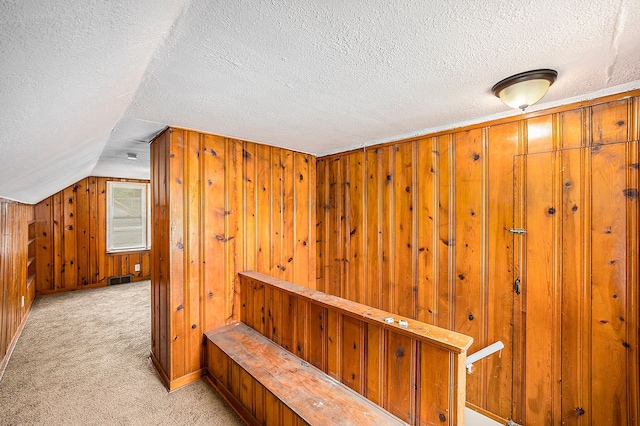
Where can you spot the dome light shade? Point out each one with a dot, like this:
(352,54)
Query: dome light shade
(524,89)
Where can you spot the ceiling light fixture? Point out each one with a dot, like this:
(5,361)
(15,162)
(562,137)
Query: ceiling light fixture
(132,156)
(524,89)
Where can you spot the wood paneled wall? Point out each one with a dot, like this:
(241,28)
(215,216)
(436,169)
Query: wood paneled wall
(580,276)
(71,251)
(14,286)
(220,206)
(421,228)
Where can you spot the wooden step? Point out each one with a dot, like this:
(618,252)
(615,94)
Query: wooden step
(315,397)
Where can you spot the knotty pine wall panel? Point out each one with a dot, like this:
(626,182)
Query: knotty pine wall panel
(220,206)
(71,244)
(435,214)
(14,283)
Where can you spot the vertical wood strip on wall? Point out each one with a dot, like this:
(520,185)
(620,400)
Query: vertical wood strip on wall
(192,254)
(83,233)
(575,294)
(519,272)
(426,224)
(234,231)
(499,276)
(276,205)
(356,227)
(373,217)
(263,208)
(469,281)
(609,289)
(388,210)
(540,304)
(446,235)
(404,290)
(322,240)
(177,209)
(633,269)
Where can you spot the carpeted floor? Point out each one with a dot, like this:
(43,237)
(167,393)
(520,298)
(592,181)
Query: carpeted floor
(83,359)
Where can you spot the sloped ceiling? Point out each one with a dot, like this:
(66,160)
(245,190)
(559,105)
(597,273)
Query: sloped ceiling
(85,83)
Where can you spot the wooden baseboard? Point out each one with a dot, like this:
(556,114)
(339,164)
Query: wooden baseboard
(175,384)
(164,378)
(14,341)
(240,409)
(85,287)
(67,290)
(186,379)
(486,413)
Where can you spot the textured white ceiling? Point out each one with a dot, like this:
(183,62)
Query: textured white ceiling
(83,83)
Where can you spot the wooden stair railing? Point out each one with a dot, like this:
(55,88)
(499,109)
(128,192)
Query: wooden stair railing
(413,370)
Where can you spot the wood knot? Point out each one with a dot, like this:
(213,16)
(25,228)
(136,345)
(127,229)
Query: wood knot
(630,193)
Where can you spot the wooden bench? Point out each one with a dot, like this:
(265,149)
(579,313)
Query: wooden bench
(243,359)
(414,371)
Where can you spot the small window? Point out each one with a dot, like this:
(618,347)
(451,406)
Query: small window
(127,216)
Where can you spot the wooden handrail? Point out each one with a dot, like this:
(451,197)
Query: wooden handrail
(437,336)
(414,370)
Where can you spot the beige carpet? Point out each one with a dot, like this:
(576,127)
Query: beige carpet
(83,359)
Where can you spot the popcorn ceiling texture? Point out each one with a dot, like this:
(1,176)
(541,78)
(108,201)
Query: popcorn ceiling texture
(85,83)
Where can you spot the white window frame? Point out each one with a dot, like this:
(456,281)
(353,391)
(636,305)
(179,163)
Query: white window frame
(146,209)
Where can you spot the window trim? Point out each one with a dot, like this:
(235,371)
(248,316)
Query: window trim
(109,218)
